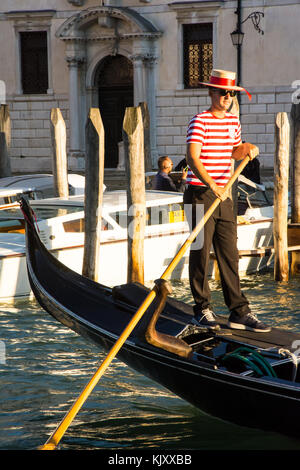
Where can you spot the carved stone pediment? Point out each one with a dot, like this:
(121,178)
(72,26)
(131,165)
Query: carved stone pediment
(104,23)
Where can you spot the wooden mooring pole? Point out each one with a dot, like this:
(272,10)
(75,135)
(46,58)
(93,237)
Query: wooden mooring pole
(5,137)
(133,138)
(146,127)
(59,160)
(294,227)
(281,180)
(94,176)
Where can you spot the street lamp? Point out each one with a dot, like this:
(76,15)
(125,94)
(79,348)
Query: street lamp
(237,37)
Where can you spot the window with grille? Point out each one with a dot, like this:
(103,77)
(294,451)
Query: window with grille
(198,53)
(34,62)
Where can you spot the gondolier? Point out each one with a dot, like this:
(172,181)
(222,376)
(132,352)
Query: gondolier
(213,138)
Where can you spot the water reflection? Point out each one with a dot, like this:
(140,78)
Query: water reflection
(48,365)
(274,302)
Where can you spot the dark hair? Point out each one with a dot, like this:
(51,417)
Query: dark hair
(161,161)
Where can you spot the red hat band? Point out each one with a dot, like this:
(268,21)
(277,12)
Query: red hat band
(222,81)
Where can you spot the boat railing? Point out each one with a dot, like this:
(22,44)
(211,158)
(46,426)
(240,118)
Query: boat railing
(253,193)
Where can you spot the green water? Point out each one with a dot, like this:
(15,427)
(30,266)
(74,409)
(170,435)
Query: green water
(46,366)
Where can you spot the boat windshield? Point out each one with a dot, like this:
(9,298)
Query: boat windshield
(155,215)
(251,195)
(12,218)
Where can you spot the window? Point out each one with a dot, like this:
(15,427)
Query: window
(77,225)
(155,215)
(34,62)
(167,214)
(198,53)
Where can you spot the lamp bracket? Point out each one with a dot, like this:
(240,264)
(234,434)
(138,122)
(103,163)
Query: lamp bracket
(255,17)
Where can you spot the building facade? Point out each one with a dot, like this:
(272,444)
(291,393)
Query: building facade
(77,54)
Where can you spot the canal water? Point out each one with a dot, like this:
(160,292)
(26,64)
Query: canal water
(44,366)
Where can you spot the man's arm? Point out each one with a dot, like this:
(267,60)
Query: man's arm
(197,167)
(242,150)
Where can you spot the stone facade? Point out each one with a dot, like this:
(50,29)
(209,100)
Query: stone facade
(31,148)
(258,118)
(81,34)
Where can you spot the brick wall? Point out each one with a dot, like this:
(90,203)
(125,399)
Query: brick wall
(175,109)
(258,118)
(31,147)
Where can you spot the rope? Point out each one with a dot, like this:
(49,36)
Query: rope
(249,363)
(254,361)
(259,358)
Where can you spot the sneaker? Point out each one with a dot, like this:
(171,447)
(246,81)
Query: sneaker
(206,319)
(247,322)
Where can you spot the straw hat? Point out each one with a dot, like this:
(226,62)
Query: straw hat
(224,79)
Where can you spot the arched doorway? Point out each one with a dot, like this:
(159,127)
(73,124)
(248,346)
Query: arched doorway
(114,80)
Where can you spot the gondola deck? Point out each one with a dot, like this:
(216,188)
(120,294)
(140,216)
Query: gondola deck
(134,294)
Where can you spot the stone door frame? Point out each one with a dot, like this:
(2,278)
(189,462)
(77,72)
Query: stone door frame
(91,35)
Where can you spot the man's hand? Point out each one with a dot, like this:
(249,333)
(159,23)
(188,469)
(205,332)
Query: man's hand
(184,174)
(253,152)
(241,151)
(220,192)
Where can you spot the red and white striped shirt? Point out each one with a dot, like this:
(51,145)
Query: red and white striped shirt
(217,136)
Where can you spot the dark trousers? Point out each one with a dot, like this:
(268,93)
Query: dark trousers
(220,231)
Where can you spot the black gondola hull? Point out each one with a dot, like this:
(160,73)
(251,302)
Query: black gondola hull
(92,311)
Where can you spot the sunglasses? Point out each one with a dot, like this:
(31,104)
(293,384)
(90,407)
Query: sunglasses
(232,93)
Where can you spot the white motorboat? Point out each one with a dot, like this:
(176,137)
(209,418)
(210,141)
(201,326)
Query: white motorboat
(36,186)
(61,228)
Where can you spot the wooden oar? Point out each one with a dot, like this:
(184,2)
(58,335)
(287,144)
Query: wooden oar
(56,436)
